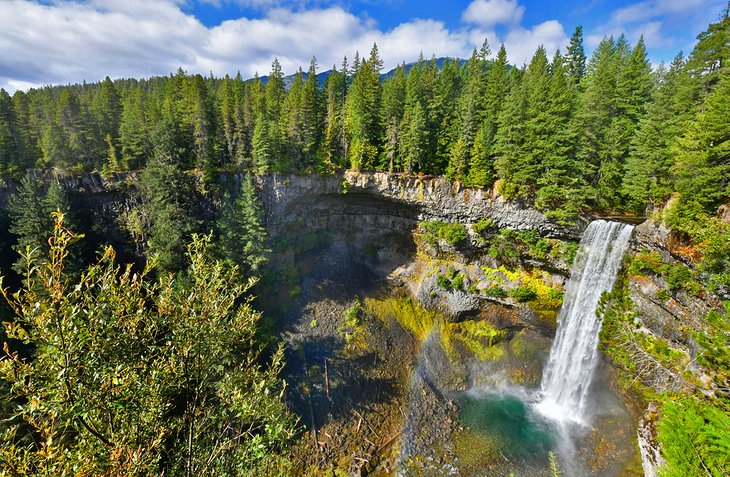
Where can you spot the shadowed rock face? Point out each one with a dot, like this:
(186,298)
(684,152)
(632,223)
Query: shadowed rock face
(393,202)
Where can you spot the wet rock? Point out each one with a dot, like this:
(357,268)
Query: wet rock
(649,448)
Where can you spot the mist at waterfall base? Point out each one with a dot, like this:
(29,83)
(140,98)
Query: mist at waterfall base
(524,425)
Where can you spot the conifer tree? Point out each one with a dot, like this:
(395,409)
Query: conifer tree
(394,99)
(166,196)
(30,210)
(312,122)
(133,130)
(334,138)
(9,140)
(242,237)
(576,58)
(647,180)
(444,113)
(416,140)
(703,157)
(262,149)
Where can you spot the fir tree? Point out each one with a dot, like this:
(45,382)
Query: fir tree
(242,238)
(576,58)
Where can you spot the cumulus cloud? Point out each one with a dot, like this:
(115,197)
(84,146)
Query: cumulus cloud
(85,40)
(522,43)
(655,20)
(488,13)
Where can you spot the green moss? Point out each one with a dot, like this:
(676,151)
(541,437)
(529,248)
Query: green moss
(405,311)
(664,295)
(476,337)
(467,339)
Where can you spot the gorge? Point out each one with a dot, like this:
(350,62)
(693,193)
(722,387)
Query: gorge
(410,352)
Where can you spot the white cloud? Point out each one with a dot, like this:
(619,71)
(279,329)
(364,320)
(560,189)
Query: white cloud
(487,13)
(661,22)
(522,43)
(75,40)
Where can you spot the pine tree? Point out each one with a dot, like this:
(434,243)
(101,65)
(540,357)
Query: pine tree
(481,167)
(363,113)
(242,237)
(334,138)
(292,127)
(509,140)
(9,141)
(562,191)
(576,58)
(647,180)
(262,150)
(133,130)
(415,148)
(394,99)
(471,116)
(444,113)
(703,156)
(30,210)
(312,122)
(275,92)
(166,194)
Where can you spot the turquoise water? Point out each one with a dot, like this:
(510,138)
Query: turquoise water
(517,433)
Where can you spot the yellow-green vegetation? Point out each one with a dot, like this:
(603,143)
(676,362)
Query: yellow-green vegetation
(477,337)
(470,337)
(677,276)
(352,328)
(512,247)
(530,287)
(452,233)
(413,317)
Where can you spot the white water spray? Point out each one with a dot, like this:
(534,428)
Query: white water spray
(574,354)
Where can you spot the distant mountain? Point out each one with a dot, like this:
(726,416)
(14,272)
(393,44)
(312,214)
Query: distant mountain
(322,77)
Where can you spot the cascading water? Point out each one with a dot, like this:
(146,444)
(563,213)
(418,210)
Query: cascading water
(574,354)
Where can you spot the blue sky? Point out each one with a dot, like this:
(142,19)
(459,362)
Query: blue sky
(69,41)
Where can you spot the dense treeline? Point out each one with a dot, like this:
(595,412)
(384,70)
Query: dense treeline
(570,133)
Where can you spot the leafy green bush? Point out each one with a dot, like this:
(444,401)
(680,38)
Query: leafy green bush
(131,372)
(458,281)
(646,261)
(482,225)
(714,351)
(452,233)
(694,438)
(523,294)
(444,282)
(496,291)
(664,295)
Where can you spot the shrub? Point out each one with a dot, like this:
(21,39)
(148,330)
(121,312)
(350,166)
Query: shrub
(496,292)
(646,262)
(482,225)
(443,282)
(458,281)
(523,294)
(452,233)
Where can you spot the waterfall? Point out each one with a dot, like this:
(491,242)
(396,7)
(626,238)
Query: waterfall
(574,354)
